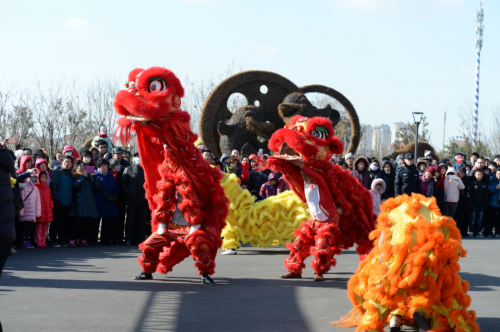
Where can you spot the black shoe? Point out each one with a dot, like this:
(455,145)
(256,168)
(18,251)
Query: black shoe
(127,243)
(144,276)
(205,279)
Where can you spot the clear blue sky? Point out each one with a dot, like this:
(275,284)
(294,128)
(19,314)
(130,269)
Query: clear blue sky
(389,57)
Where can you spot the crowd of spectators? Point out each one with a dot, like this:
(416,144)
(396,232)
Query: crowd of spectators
(96,196)
(77,198)
(468,191)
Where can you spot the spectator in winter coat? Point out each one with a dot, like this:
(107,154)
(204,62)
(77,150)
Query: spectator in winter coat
(349,159)
(255,181)
(374,169)
(421,166)
(46,217)
(71,151)
(481,164)
(254,162)
(439,189)
(452,186)
(361,172)
(407,179)
(428,183)
(208,156)
(7,212)
(462,213)
(270,187)
(493,206)
(245,171)
(388,175)
(61,187)
(400,162)
(57,161)
(42,166)
(108,210)
(86,215)
(478,197)
(283,185)
(137,206)
(473,158)
(25,166)
(87,157)
(378,188)
(122,207)
(32,210)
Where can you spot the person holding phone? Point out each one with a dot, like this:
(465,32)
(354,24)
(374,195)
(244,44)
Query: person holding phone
(452,186)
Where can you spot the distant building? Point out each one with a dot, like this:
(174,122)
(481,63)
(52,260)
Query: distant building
(396,128)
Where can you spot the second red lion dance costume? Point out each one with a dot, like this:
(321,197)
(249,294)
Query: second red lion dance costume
(188,204)
(340,208)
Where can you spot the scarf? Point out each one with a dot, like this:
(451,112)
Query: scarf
(430,187)
(102,136)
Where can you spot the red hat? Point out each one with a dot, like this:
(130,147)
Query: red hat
(431,169)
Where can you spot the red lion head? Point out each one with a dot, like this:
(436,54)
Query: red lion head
(313,139)
(150,94)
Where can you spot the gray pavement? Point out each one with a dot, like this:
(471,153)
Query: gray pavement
(91,289)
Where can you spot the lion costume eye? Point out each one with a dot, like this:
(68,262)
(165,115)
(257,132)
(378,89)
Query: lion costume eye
(320,132)
(156,84)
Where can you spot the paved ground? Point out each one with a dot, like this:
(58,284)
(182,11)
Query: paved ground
(91,289)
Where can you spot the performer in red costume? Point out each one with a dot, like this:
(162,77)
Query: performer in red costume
(340,207)
(188,204)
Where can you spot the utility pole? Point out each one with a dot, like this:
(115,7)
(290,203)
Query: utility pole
(479,45)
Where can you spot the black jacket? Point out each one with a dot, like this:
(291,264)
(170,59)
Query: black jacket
(407,181)
(7,213)
(83,196)
(256,179)
(133,185)
(478,192)
(389,181)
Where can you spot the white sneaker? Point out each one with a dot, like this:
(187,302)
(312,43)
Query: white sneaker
(161,229)
(471,234)
(497,235)
(480,234)
(230,252)
(13,251)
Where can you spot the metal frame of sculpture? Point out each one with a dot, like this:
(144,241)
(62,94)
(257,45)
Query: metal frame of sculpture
(249,83)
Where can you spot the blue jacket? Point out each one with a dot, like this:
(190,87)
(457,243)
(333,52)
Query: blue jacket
(107,184)
(85,204)
(61,186)
(493,191)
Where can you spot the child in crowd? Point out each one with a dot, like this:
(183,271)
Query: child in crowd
(84,185)
(42,166)
(31,210)
(270,187)
(478,198)
(47,204)
(378,188)
(107,205)
(452,186)
(61,188)
(428,182)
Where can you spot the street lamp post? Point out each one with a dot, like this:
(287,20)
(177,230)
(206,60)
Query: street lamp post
(417,117)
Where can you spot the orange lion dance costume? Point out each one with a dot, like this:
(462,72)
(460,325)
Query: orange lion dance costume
(184,193)
(340,208)
(412,272)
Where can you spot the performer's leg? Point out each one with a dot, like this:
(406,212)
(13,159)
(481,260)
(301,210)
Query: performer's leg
(323,255)
(200,245)
(300,248)
(151,249)
(171,256)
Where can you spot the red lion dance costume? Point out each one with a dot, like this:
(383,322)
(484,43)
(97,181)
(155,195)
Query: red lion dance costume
(184,193)
(341,209)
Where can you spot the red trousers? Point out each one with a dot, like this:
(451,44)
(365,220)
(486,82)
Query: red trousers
(162,252)
(313,238)
(41,233)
